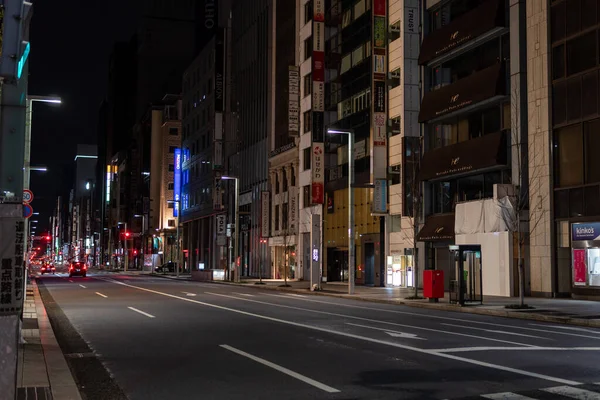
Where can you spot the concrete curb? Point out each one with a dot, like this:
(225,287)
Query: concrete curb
(62,384)
(432,306)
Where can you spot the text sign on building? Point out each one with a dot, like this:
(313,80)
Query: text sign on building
(379,8)
(177,182)
(220,72)
(379,129)
(319,37)
(318,98)
(318,173)
(379,196)
(265,208)
(12,251)
(319,10)
(585,231)
(217,192)
(379,32)
(379,97)
(294,100)
(221,225)
(293,209)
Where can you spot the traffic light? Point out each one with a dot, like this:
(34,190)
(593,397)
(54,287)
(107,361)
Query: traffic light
(127,234)
(48,238)
(15,47)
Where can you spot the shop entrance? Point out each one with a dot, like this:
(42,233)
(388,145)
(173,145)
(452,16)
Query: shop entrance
(467,285)
(369,263)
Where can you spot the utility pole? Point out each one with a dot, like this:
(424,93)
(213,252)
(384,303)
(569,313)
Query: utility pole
(126,250)
(14,54)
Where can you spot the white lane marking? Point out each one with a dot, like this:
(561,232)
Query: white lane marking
(245,294)
(141,312)
(373,320)
(499,348)
(102,295)
(295,295)
(189,294)
(495,331)
(83,286)
(442,318)
(283,370)
(574,393)
(505,396)
(71,280)
(357,337)
(570,328)
(390,332)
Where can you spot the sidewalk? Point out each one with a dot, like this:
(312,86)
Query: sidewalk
(42,372)
(562,311)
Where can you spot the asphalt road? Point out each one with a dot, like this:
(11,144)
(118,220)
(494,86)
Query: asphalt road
(165,339)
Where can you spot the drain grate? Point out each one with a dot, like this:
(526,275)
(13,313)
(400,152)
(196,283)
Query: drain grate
(34,393)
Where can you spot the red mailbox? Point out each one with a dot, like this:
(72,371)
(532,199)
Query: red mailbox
(433,284)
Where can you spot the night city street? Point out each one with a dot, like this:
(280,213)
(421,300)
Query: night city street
(165,339)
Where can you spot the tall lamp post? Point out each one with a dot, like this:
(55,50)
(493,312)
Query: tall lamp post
(351,260)
(237,224)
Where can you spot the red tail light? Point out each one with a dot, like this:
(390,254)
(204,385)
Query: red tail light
(84,267)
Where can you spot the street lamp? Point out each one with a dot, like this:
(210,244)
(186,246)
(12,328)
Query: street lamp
(351,260)
(177,203)
(237,224)
(143,217)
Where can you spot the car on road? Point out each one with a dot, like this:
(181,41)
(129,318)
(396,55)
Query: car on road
(167,267)
(77,268)
(47,268)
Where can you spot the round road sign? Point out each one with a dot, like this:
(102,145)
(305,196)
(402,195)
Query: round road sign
(27,211)
(27,196)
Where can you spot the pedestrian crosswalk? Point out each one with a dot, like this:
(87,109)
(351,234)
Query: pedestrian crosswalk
(587,391)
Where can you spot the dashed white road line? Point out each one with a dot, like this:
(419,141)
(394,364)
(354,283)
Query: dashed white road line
(499,348)
(141,312)
(506,396)
(246,294)
(357,337)
(83,286)
(71,280)
(572,392)
(495,331)
(283,370)
(373,320)
(101,295)
(189,294)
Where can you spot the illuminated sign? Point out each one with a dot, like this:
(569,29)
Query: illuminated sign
(23,60)
(177,182)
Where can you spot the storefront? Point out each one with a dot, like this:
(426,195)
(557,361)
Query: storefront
(399,271)
(585,249)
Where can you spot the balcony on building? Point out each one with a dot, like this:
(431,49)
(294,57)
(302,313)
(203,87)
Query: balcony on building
(457,28)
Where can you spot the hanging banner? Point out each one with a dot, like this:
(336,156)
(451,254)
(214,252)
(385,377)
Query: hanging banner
(318,173)
(177,182)
(12,252)
(265,212)
(579,267)
(293,209)
(294,100)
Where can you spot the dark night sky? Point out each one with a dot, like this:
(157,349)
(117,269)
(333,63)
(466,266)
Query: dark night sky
(71,41)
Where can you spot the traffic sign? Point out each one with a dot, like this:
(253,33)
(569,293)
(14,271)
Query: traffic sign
(27,211)
(27,196)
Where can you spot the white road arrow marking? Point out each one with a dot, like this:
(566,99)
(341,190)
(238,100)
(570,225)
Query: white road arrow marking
(390,332)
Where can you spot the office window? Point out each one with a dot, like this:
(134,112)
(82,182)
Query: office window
(581,53)
(574,98)
(276,218)
(558,62)
(346,63)
(569,155)
(171,223)
(172,149)
(171,204)
(293,183)
(173,131)
(276,183)
(306,153)
(591,130)
(308,84)
(359,8)
(284,182)
(284,216)
(308,11)
(589,94)
(171,167)
(307,120)
(308,48)
(358,55)
(347,18)
(306,196)
(171,186)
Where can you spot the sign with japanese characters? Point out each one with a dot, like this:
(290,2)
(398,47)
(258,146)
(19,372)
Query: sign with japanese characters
(12,252)
(318,173)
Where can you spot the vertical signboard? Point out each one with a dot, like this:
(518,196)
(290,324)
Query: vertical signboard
(293,209)
(315,251)
(579,267)
(177,182)
(12,253)
(378,142)
(220,71)
(221,228)
(218,192)
(294,100)
(318,103)
(265,208)
(318,173)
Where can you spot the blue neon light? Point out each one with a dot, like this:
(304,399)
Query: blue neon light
(23,60)
(177,182)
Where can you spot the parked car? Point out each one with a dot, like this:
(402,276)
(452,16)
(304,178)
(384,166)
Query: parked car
(47,268)
(167,267)
(77,268)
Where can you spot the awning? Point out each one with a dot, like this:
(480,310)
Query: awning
(437,227)
(467,27)
(480,86)
(463,158)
